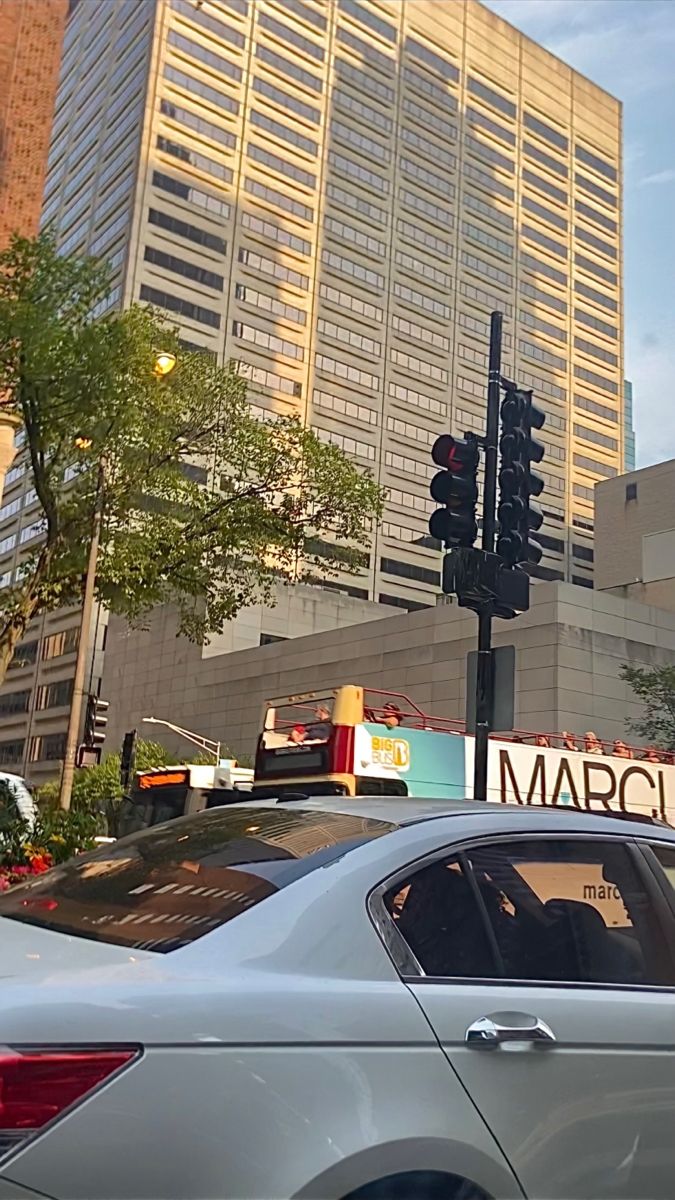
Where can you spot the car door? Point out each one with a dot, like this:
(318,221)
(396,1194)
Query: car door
(543,966)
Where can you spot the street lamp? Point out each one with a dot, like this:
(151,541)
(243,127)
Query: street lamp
(164,363)
(204,743)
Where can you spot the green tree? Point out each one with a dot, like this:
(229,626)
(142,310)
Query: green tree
(655,688)
(279,502)
(95,789)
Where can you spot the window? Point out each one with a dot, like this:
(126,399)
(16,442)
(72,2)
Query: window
(304,12)
(341,370)
(583,552)
(593,435)
(542,239)
(429,150)
(365,50)
(542,355)
(587,185)
(56,644)
(596,351)
(583,493)
(553,164)
(593,215)
(487,210)
(196,87)
(429,119)
(345,266)
(185,308)
(12,751)
(408,432)
(187,269)
(209,58)
(491,97)
(543,185)
(582,523)
(279,130)
(544,912)
(585,318)
(419,366)
(546,214)
(54,695)
(599,410)
(350,445)
(631,491)
(493,127)
(598,297)
(533,322)
(349,337)
(269,639)
(594,268)
(269,304)
(582,581)
(287,68)
(427,272)
(191,233)
(213,24)
(592,464)
(487,239)
(348,200)
(419,333)
(407,396)
(187,155)
(24,656)
(597,243)
(278,96)
(354,171)
(367,17)
(488,153)
(406,570)
(486,269)
(345,408)
(486,299)
(14,702)
(154,885)
(349,302)
(541,268)
(268,341)
(420,300)
(487,180)
(275,233)
(545,131)
(430,179)
(193,195)
(606,385)
(372,117)
(597,163)
(349,233)
(277,270)
(542,297)
(481,328)
(551,543)
(286,34)
(364,80)
(430,59)
(269,381)
(416,234)
(271,196)
(432,212)
(275,163)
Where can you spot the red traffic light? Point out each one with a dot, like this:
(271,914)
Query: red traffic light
(455,455)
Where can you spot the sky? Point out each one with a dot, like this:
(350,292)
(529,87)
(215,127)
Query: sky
(628,48)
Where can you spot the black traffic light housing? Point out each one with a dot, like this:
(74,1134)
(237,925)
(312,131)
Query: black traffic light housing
(518,517)
(455,488)
(95,721)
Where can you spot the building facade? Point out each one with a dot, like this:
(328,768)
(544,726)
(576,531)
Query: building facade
(635,526)
(31,32)
(628,427)
(335,196)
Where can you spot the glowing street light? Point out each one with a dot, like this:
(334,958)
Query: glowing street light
(164,363)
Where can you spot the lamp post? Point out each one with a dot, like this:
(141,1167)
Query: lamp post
(163,365)
(204,743)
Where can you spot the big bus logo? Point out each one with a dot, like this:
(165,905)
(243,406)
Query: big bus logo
(391,752)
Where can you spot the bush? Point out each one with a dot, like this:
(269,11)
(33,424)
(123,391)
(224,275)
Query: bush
(54,837)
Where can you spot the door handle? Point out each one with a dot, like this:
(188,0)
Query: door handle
(492,1031)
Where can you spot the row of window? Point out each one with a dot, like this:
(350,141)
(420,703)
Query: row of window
(420,300)
(592,464)
(349,233)
(408,396)
(346,371)
(596,351)
(349,337)
(345,408)
(420,333)
(280,165)
(430,211)
(599,410)
(278,199)
(349,445)
(191,233)
(285,132)
(354,270)
(269,380)
(177,304)
(594,435)
(275,233)
(372,117)
(270,304)
(278,96)
(267,340)
(272,268)
(406,570)
(193,195)
(193,158)
(346,199)
(409,432)
(351,303)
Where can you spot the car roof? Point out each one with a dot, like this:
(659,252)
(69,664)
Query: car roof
(410,810)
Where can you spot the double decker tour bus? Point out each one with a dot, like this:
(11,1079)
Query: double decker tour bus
(352,740)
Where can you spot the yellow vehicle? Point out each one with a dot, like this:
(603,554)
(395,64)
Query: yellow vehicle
(352,740)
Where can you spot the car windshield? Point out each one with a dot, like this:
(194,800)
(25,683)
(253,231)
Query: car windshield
(167,886)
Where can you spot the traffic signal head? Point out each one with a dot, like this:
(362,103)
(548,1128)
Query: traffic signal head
(455,487)
(96,720)
(518,483)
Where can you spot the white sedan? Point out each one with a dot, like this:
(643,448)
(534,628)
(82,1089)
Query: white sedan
(372,999)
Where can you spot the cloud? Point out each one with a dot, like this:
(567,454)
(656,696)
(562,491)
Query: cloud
(659,177)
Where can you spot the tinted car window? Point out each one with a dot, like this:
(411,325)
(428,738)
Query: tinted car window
(666,857)
(165,887)
(541,911)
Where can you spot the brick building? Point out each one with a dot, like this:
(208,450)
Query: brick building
(31,33)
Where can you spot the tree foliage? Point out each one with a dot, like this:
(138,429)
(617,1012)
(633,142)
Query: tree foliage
(278,504)
(655,688)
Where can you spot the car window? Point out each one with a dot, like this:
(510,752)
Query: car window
(666,857)
(536,910)
(166,886)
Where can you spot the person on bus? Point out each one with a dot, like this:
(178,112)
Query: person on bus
(320,730)
(569,741)
(651,755)
(297,735)
(592,743)
(621,750)
(392,715)
(542,740)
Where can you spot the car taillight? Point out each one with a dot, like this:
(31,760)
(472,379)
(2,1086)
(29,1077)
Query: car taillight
(38,1086)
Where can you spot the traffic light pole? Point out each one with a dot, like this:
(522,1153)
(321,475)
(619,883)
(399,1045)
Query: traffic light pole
(484,672)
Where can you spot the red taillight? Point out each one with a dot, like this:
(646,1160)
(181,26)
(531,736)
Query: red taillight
(36,1086)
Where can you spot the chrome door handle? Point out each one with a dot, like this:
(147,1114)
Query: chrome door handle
(491,1031)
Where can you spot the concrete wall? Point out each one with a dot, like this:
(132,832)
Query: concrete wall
(635,535)
(570,647)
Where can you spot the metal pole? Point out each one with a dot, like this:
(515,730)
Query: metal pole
(484,672)
(75,716)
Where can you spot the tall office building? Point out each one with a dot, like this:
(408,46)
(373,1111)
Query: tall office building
(31,32)
(336,195)
(628,427)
